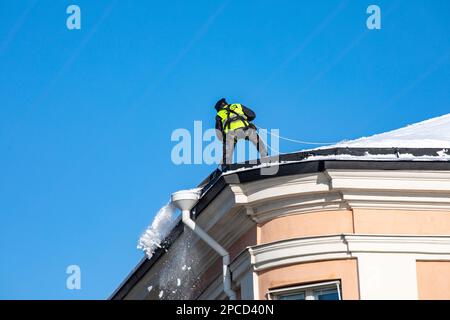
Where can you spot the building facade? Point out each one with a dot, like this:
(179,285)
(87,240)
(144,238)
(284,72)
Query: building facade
(320,228)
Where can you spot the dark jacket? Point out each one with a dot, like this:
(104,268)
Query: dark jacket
(249,113)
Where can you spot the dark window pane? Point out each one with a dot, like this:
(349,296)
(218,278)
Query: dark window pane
(295,296)
(326,294)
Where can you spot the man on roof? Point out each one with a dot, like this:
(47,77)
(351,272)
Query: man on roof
(233,122)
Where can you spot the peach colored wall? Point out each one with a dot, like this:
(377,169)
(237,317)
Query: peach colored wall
(433,280)
(401,221)
(306,224)
(344,270)
(369,221)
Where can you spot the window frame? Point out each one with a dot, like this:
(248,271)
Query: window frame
(307,289)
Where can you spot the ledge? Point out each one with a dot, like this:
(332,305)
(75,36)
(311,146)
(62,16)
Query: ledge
(345,246)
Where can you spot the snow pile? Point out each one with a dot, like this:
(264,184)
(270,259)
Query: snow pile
(160,228)
(197,190)
(443,156)
(432,133)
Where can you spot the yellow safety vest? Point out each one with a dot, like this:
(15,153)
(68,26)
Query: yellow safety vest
(233,117)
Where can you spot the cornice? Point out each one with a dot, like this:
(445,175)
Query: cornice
(336,189)
(345,246)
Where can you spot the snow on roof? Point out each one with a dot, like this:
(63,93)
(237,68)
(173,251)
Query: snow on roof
(432,133)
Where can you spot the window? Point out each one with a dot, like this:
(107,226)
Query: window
(318,291)
(294,296)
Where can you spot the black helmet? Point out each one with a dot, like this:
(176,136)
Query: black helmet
(220,104)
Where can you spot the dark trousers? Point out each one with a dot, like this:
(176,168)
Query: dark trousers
(231,138)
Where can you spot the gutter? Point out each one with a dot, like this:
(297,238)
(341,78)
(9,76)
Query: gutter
(185,200)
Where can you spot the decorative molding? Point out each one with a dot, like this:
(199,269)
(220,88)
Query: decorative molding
(401,180)
(309,249)
(282,187)
(239,194)
(398,244)
(241,265)
(336,189)
(400,200)
(301,203)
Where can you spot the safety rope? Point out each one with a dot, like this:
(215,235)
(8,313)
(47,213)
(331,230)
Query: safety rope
(296,141)
(268,146)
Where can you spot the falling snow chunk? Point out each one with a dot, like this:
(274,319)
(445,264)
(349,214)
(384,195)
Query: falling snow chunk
(178,282)
(184,267)
(149,288)
(155,234)
(161,293)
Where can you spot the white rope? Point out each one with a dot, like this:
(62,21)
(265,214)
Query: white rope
(296,141)
(270,148)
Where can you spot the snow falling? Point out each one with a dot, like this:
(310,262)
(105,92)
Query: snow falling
(160,228)
(178,278)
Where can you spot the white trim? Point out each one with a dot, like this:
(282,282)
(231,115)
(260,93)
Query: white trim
(401,180)
(342,190)
(305,286)
(241,265)
(301,203)
(282,187)
(255,285)
(308,289)
(387,276)
(308,249)
(298,250)
(339,291)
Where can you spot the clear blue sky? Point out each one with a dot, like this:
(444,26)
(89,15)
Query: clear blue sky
(86,115)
